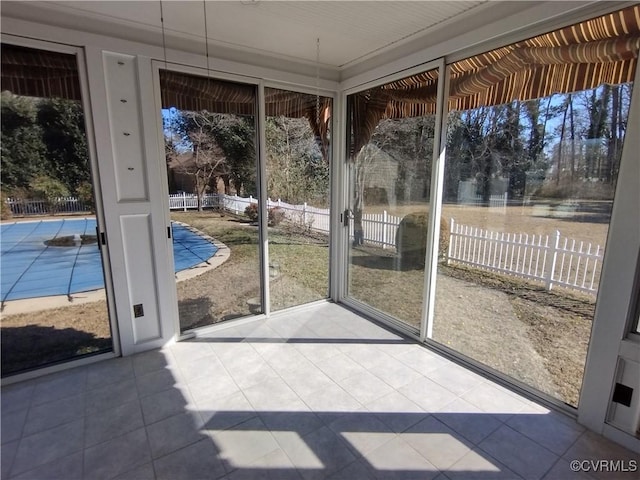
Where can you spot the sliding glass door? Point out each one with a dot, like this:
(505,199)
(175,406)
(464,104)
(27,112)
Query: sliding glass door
(390,152)
(519,205)
(210,144)
(54,305)
(297,165)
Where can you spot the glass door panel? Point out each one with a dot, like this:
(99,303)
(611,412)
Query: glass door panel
(390,157)
(54,306)
(531,169)
(210,144)
(298,161)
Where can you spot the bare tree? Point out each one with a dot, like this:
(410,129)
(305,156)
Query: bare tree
(205,162)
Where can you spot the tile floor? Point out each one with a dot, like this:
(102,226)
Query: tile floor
(320,393)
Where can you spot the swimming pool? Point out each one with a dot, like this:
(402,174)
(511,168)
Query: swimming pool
(30,268)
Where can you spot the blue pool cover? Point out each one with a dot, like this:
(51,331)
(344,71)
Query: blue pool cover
(29,268)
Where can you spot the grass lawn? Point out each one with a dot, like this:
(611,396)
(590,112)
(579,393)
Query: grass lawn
(300,261)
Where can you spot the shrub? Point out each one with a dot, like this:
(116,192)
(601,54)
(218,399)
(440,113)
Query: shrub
(252,212)
(85,194)
(276,215)
(49,189)
(5,209)
(411,240)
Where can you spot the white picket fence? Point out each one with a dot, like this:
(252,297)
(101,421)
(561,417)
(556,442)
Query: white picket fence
(551,259)
(188,201)
(311,217)
(20,206)
(379,229)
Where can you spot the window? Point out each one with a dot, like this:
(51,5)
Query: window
(534,138)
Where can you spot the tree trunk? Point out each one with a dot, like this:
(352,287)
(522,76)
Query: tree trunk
(573,138)
(358,203)
(612,150)
(560,145)
(199,193)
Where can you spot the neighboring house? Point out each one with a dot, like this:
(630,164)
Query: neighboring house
(181,171)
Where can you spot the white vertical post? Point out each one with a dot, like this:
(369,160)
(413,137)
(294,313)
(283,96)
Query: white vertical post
(184,201)
(304,213)
(384,229)
(451,240)
(551,266)
(263,219)
(435,204)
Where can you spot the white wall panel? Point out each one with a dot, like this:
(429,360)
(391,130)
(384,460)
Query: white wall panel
(123,104)
(140,274)
(136,226)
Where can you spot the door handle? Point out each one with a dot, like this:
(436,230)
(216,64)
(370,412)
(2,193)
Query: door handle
(346,216)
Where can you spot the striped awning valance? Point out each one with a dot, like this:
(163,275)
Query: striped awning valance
(600,51)
(579,57)
(194,93)
(197,93)
(38,73)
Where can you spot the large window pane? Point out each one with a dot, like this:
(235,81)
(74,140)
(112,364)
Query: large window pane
(210,139)
(298,153)
(390,156)
(54,305)
(533,154)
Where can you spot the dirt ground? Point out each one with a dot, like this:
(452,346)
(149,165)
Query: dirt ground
(538,337)
(543,335)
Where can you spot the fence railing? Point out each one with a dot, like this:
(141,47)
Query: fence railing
(379,229)
(498,202)
(312,218)
(21,206)
(184,201)
(551,259)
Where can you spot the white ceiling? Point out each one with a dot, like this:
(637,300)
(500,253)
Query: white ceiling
(355,36)
(349,31)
